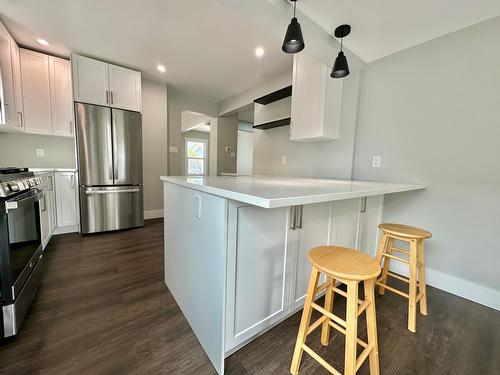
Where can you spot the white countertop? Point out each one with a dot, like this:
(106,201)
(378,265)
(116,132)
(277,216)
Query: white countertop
(49,170)
(277,191)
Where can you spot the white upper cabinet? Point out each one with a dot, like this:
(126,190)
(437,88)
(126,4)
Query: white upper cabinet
(125,88)
(97,82)
(90,80)
(316,101)
(60,96)
(36,92)
(7,80)
(18,90)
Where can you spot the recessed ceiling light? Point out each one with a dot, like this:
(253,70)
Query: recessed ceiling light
(43,42)
(161,68)
(259,52)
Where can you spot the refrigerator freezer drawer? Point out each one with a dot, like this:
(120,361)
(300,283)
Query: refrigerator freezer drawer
(110,208)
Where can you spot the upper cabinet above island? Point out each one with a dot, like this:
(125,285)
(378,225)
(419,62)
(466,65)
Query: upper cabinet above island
(97,82)
(316,101)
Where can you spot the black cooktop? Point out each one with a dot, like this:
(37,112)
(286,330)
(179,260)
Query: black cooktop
(10,170)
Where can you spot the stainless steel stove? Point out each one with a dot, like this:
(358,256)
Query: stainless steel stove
(20,245)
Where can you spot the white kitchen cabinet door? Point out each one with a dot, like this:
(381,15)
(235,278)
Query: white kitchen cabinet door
(316,101)
(7,79)
(66,199)
(36,92)
(18,89)
(258,271)
(90,80)
(60,96)
(316,230)
(125,88)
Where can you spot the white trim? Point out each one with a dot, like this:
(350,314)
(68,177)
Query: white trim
(454,285)
(153,214)
(66,229)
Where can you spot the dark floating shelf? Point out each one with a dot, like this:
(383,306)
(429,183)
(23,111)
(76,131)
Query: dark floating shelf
(273,124)
(275,96)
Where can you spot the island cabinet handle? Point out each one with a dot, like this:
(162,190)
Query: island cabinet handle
(300,216)
(293,217)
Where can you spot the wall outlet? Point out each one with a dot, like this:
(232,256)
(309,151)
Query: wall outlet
(172,149)
(376,160)
(283,159)
(228,148)
(40,152)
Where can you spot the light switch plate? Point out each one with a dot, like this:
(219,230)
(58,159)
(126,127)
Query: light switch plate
(172,149)
(376,160)
(40,152)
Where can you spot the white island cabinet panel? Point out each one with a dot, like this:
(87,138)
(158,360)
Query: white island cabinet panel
(195,263)
(316,230)
(257,281)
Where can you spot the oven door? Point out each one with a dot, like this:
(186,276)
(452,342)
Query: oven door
(25,245)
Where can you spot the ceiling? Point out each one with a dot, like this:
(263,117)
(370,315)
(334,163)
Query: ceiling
(207,47)
(383,27)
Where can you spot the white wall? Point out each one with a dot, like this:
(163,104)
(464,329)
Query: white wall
(178,102)
(244,157)
(19,150)
(432,112)
(155,145)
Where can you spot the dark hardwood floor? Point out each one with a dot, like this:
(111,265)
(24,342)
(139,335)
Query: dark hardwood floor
(103,309)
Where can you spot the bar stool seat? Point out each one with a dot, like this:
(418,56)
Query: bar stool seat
(350,267)
(344,263)
(405,231)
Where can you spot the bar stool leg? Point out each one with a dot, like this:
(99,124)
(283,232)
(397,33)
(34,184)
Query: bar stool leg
(352,328)
(304,323)
(412,296)
(325,329)
(421,278)
(371,326)
(387,263)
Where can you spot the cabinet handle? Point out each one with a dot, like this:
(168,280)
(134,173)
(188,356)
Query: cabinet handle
(363,205)
(7,112)
(70,127)
(300,215)
(72,181)
(51,183)
(20,114)
(293,218)
(111,97)
(107,96)
(44,201)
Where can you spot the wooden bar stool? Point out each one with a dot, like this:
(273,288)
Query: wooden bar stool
(415,237)
(347,266)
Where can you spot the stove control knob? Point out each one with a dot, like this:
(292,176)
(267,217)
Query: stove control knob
(13,186)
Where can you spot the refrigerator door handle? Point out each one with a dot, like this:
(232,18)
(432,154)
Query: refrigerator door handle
(89,192)
(115,148)
(110,153)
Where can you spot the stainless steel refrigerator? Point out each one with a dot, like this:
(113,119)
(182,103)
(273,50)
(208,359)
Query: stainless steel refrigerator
(109,144)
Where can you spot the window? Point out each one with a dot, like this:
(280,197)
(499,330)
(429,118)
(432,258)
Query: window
(196,157)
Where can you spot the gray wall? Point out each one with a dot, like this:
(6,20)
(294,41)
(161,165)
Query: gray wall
(310,159)
(20,150)
(154,139)
(227,135)
(432,112)
(177,102)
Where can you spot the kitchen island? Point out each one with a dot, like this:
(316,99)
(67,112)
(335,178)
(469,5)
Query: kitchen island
(236,247)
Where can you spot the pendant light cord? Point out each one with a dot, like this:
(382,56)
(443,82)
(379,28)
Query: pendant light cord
(294,6)
(341,43)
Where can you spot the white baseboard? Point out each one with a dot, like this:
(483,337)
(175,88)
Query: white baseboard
(67,229)
(454,285)
(153,214)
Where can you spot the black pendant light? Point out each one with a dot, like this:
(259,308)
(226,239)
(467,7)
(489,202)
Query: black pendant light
(340,67)
(294,42)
